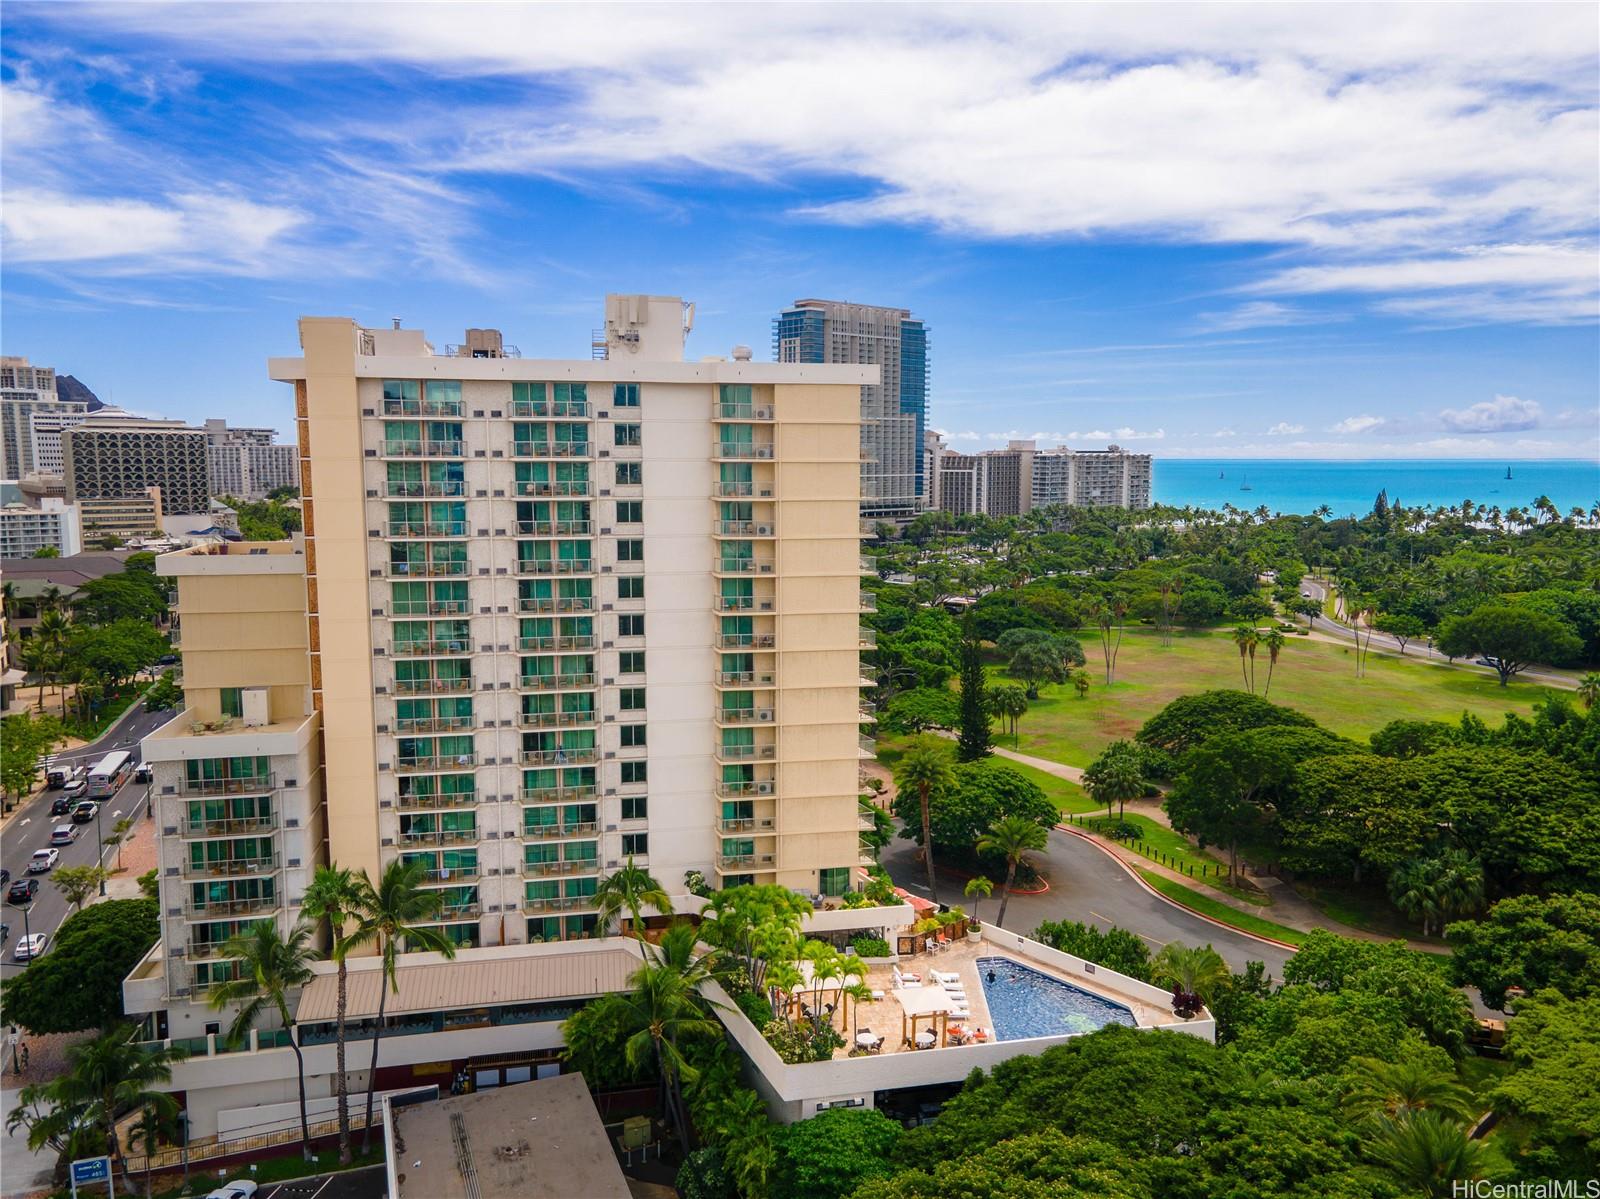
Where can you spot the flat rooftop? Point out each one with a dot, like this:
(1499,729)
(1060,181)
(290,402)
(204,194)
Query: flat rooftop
(535,1140)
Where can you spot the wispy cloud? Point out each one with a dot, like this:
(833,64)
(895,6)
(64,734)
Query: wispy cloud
(1503,414)
(1284,429)
(1356,424)
(1261,314)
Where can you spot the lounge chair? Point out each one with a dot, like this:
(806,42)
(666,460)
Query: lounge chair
(945,977)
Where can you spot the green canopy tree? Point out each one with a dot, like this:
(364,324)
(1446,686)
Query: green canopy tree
(1217,797)
(1511,638)
(834,1152)
(78,984)
(1116,776)
(1535,942)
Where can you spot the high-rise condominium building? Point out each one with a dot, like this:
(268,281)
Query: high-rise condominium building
(245,463)
(567,613)
(1108,478)
(114,455)
(25,530)
(893,412)
(32,417)
(1021,478)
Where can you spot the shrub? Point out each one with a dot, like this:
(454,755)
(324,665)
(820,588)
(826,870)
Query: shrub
(870,947)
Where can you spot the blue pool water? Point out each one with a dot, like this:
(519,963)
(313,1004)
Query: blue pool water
(1024,1003)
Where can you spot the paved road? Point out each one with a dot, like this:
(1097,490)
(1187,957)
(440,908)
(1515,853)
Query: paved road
(1087,885)
(369,1182)
(29,828)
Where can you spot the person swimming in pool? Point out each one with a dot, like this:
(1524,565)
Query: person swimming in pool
(991,976)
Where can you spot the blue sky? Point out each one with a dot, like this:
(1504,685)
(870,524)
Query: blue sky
(1288,231)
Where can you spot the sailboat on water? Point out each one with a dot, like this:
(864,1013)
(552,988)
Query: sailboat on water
(1508,472)
(1245,486)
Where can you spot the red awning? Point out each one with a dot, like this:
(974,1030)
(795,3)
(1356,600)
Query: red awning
(917,902)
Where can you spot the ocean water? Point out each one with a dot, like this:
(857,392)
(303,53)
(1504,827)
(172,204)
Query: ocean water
(1349,487)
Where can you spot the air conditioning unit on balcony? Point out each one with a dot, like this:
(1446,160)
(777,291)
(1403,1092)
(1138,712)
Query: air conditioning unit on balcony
(767,568)
(763,530)
(765,714)
(764,788)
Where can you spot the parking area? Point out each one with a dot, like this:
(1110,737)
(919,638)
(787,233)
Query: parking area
(367,1183)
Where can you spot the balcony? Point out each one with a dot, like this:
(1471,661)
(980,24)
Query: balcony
(554,528)
(450,876)
(737,489)
(746,678)
(232,867)
(425,490)
(223,909)
(557,720)
(561,903)
(461,911)
(869,566)
(867,746)
(746,603)
(746,861)
(454,836)
(743,566)
(740,451)
(549,409)
(552,449)
(256,784)
(552,832)
(549,869)
(867,638)
(560,603)
(746,824)
(554,566)
(869,602)
(422,408)
(736,641)
(736,754)
(755,788)
(746,528)
(737,716)
(723,410)
(432,686)
(426,528)
(561,487)
(423,649)
(427,570)
(572,641)
(559,757)
(434,802)
(531,795)
(555,682)
(435,764)
(422,449)
(239,826)
(429,608)
(431,724)
(205,950)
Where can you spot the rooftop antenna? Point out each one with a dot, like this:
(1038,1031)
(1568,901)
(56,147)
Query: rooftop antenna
(396,321)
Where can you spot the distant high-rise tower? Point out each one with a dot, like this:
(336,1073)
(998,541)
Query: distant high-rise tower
(894,482)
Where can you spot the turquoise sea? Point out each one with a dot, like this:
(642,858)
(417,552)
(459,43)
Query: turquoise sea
(1349,487)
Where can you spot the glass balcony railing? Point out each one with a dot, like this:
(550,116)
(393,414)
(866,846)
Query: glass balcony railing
(746,753)
(550,832)
(555,682)
(743,566)
(746,824)
(559,409)
(426,528)
(429,608)
(450,569)
(431,724)
(422,408)
(560,603)
(567,642)
(560,757)
(425,489)
(746,678)
(747,640)
(552,449)
(741,449)
(422,649)
(555,566)
(746,861)
(746,528)
(220,909)
(431,686)
(231,867)
(557,720)
(575,866)
(434,764)
(744,715)
(240,785)
(237,826)
(530,795)
(441,836)
(747,787)
(554,528)
(560,487)
(559,903)
(435,801)
(422,449)
(723,410)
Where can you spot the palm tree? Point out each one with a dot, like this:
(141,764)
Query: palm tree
(37,659)
(1246,639)
(1011,703)
(1414,889)
(663,1006)
(1014,838)
(1589,689)
(269,966)
(978,888)
(1393,1089)
(1459,884)
(1274,641)
(925,768)
(399,907)
(333,896)
(629,890)
(1193,969)
(1115,777)
(1430,1153)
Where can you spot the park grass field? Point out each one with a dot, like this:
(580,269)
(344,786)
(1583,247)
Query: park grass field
(1065,794)
(1315,677)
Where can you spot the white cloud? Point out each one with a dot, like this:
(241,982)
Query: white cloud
(1258,314)
(1356,424)
(1503,414)
(1284,429)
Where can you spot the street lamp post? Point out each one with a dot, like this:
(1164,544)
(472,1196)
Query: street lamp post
(27,933)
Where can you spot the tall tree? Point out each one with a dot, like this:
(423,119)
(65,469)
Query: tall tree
(1218,794)
(1274,640)
(1013,838)
(629,889)
(1246,639)
(924,770)
(974,740)
(334,895)
(1116,776)
(662,1008)
(268,967)
(1510,638)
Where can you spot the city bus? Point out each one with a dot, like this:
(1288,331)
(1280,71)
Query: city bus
(109,773)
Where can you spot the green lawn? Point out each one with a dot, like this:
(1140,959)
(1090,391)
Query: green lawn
(1064,793)
(1316,677)
(1207,906)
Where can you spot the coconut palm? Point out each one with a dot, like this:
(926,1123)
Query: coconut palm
(629,890)
(1010,703)
(1274,640)
(1193,969)
(978,888)
(1429,1153)
(397,909)
(662,1007)
(333,896)
(1589,689)
(1246,639)
(1380,1088)
(1115,777)
(1013,838)
(1414,889)
(925,769)
(268,967)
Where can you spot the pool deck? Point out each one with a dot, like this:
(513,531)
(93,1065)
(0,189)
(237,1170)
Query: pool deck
(885,1016)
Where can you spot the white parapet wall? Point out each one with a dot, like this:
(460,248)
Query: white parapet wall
(797,1092)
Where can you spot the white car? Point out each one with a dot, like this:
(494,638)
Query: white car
(42,860)
(29,947)
(239,1188)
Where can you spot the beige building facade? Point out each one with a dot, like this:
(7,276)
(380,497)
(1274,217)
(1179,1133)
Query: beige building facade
(124,517)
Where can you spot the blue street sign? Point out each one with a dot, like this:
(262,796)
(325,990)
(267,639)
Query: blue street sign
(91,1169)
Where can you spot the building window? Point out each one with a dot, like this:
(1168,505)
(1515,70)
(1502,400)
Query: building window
(635,844)
(626,435)
(630,473)
(635,772)
(625,395)
(834,881)
(630,587)
(630,512)
(630,624)
(635,807)
(632,736)
(631,661)
(233,701)
(632,699)
(630,550)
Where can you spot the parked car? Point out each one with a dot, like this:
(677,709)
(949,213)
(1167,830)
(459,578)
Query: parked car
(61,805)
(29,947)
(167,660)
(239,1188)
(22,891)
(63,834)
(85,812)
(42,860)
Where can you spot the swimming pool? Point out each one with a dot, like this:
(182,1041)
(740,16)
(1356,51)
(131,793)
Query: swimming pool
(1024,1003)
